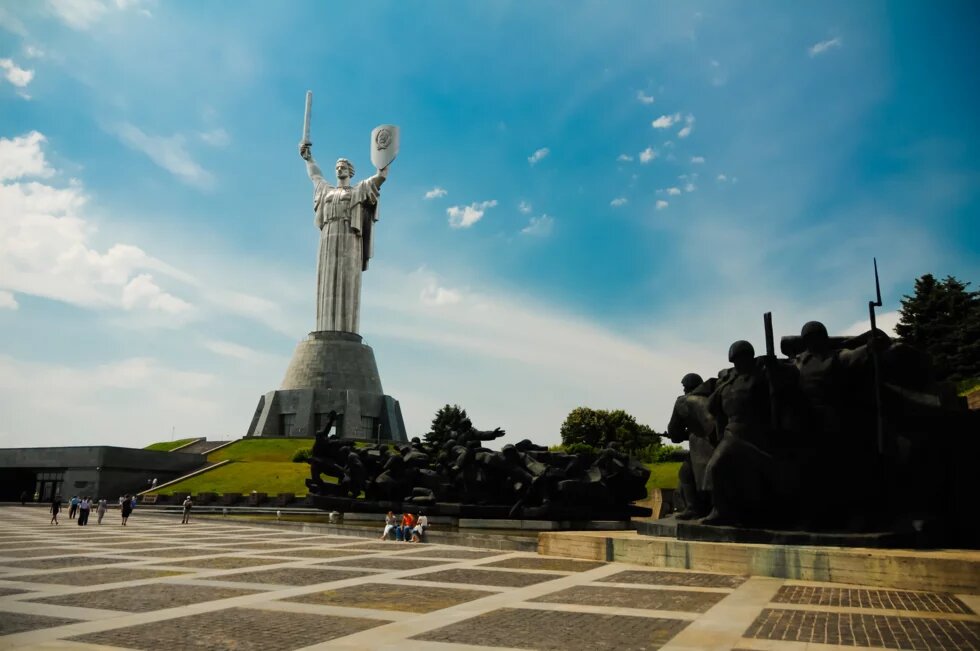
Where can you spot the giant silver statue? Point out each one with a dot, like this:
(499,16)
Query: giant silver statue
(345,215)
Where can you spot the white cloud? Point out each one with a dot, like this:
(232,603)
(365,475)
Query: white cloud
(673,191)
(618,202)
(539,226)
(170,153)
(643,98)
(819,48)
(83,14)
(466,216)
(690,187)
(647,155)
(117,402)
(142,293)
(232,350)
(722,178)
(45,249)
(524,207)
(517,344)
(665,121)
(697,160)
(216,137)
(22,156)
(78,14)
(34,52)
(886,322)
(435,295)
(624,158)
(11,23)
(538,155)
(661,204)
(436,193)
(688,128)
(14,74)
(7,301)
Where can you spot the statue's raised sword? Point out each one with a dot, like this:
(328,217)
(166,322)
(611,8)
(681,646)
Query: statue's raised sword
(306,119)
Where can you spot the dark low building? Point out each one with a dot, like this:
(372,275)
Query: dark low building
(99,471)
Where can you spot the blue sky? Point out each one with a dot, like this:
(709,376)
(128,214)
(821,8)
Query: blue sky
(590,201)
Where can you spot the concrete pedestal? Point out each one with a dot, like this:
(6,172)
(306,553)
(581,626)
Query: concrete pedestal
(330,371)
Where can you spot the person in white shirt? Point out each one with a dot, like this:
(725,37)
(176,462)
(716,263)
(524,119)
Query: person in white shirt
(420,526)
(83,510)
(390,523)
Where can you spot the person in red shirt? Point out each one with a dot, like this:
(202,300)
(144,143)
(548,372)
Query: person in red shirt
(408,521)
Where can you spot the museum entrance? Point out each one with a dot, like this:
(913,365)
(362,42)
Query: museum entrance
(47,485)
(42,484)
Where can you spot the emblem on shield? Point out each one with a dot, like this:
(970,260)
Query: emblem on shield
(384,145)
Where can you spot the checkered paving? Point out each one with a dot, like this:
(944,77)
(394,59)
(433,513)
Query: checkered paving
(222,584)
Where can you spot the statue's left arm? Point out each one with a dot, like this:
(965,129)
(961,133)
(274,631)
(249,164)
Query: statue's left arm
(369,190)
(378,179)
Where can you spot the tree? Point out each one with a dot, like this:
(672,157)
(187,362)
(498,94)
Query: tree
(597,428)
(447,420)
(942,319)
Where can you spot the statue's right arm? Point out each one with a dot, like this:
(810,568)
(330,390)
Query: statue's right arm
(314,171)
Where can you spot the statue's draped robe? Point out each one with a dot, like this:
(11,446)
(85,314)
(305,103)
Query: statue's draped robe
(345,217)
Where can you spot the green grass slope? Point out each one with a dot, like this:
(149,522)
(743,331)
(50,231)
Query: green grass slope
(261,465)
(243,477)
(167,446)
(255,450)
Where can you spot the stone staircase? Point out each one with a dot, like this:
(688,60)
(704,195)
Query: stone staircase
(203,446)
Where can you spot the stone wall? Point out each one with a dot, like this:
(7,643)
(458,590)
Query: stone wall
(98,470)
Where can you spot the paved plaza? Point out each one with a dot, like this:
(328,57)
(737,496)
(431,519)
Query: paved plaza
(156,584)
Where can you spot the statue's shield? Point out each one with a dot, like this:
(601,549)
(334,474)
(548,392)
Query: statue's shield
(384,145)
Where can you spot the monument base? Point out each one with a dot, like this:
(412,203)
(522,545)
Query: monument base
(948,570)
(330,371)
(694,530)
(578,513)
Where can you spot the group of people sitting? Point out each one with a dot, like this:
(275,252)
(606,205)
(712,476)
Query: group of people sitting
(408,528)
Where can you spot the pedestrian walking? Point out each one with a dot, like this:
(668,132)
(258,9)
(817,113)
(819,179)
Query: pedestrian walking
(72,507)
(84,506)
(23,498)
(187,510)
(102,509)
(55,507)
(127,509)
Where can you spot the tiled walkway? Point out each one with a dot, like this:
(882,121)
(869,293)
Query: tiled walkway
(155,584)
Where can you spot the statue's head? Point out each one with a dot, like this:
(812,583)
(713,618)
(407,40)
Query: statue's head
(345,169)
(741,354)
(691,381)
(814,335)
